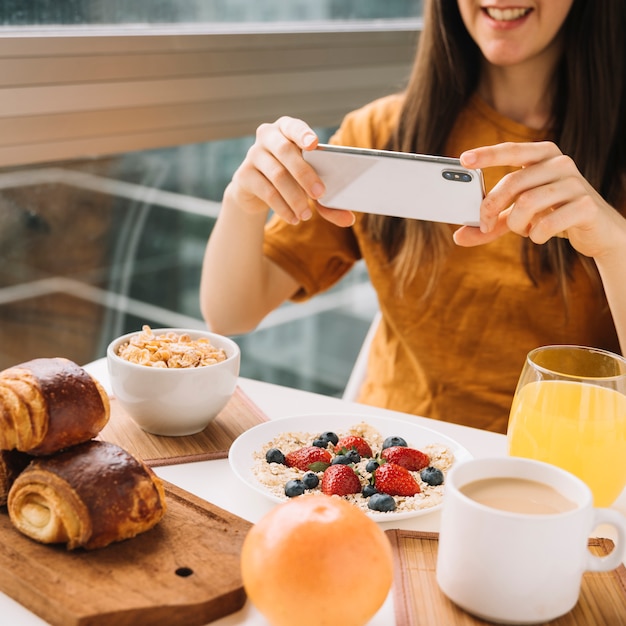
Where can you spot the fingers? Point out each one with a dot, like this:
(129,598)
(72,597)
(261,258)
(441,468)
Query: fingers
(556,223)
(509,153)
(275,180)
(533,191)
(298,131)
(545,196)
(339,217)
(276,173)
(545,181)
(469,236)
(285,141)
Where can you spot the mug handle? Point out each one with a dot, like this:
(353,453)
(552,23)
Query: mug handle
(614,559)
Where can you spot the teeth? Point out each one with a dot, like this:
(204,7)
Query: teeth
(506,15)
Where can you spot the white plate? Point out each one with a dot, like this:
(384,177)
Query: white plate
(241,454)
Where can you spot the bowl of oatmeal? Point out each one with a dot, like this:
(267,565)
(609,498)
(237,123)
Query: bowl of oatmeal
(255,458)
(173,381)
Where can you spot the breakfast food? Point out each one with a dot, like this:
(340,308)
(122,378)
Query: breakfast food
(12,462)
(49,404)
(59,484)
(170,350)
(88,496)
(299,564)
(375,473)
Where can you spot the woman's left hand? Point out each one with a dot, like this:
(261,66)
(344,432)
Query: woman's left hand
(547,197)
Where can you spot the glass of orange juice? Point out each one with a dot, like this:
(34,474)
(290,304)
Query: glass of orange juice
(569,409)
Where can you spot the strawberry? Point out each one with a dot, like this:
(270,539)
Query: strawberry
(409,458)
(353,442)
(395,480)
(340,480)
(303,458)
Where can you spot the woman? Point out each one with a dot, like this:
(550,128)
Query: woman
(511,89)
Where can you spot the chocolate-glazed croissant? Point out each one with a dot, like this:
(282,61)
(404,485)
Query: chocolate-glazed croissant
(12,462)
(47,405)
(88,496)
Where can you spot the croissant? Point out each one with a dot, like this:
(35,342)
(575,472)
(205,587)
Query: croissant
(12,462)
(49,404)
(88,496)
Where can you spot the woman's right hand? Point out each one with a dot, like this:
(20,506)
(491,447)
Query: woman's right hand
(274,174)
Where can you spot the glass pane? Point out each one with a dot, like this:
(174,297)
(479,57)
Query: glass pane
(39,12)
(96,248)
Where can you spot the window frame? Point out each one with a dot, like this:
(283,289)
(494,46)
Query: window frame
(80,91)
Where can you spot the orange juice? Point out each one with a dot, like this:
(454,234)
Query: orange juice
(578,426)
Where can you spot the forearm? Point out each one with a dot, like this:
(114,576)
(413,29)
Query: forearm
(239,286)
(613,273)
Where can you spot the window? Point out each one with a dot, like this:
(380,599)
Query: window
(116,144)
(39,12)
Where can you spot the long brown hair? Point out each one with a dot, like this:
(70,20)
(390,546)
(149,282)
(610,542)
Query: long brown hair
(588,113)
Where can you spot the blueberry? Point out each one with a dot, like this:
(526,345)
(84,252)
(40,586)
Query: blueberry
(368,490)
(394,441)
(274,455)
(329,437)
(310,480)
(432,476)
(294,488)
(381,502)
(353,455)
(320,443)
(341,459)
(372,466)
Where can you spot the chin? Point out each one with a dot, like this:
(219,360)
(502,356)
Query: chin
(503,54)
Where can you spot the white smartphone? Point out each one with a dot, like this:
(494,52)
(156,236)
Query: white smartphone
(417,186)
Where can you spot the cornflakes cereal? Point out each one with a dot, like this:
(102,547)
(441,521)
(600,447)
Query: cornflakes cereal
(170,350)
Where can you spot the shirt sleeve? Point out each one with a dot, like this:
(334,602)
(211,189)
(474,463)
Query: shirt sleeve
(316,253)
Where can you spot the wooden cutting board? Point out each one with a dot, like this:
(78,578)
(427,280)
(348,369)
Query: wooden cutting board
(239,414)
(185,570)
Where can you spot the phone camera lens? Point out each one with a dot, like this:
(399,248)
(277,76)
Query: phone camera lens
(463,177)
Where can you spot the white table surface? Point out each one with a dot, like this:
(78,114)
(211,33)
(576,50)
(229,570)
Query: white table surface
(216,483)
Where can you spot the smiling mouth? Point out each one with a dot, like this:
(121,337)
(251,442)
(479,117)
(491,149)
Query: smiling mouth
(506,15)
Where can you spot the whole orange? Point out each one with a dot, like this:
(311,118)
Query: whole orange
(316,561)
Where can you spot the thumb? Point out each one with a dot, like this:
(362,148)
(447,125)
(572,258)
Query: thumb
(470,236)
(339,217)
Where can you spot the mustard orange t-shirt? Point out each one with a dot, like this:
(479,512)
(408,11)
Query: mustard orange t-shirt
(457,354)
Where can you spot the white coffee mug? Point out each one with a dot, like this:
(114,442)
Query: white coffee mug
(519,568)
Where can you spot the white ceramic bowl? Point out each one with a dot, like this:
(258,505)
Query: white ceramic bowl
(174,401)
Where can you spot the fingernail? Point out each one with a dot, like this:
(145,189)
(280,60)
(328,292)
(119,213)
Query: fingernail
(308,139)
(317,190)
(306,215)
